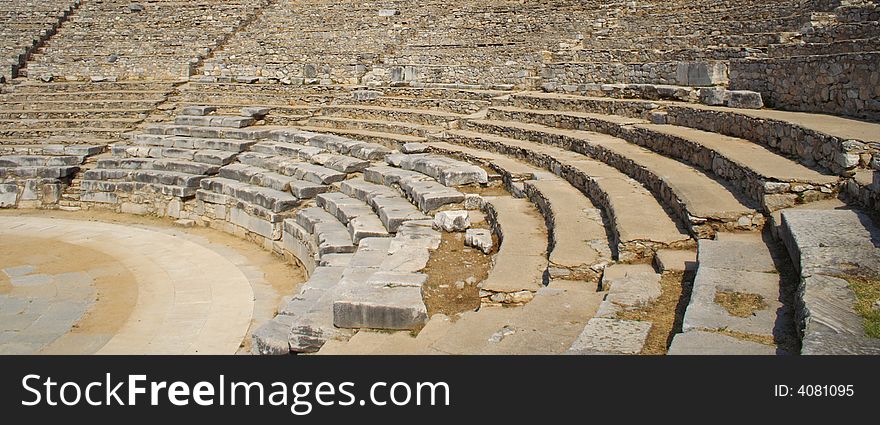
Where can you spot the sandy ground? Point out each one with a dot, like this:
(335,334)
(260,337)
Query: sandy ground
(117,293)
(116,288)
(454,271)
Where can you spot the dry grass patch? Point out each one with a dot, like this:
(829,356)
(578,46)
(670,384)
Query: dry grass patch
(760,339)
(867,292)
(740,304)
(492,189)
(665,314)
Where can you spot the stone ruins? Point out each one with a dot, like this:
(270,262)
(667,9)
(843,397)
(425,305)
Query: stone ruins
(456,177)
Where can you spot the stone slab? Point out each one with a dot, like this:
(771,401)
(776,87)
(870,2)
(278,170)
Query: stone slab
(611,336)
(710,343)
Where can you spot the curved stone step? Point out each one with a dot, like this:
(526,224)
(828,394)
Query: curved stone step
(453,105)
(40,160)
(102,191)
(303,111)
(519,267)
(317,239)
(579,246)
(293,150)
(360,219)
(65,114)
(417,116)
(379,126)
(385,139)
(298,170)
(134,95)
(812,138)
(109,134)
(212,157)
(336,144)
(261,177)
(229,145)
(392,208)
(214,121)
(158,177)
(421,189)
(179,166)
(247,133)
(51,149)
(700,201)
(342,163)
(828,247)
(91,122)
(638,222)
(47,172)
(268,198)
(447,171)
(331,236)
(97,105)
(764,177)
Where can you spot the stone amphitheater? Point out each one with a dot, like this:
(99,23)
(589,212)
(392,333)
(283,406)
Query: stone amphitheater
(456,177)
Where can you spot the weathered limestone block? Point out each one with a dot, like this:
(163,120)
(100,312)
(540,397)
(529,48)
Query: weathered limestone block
(266,229)
(447,171)
(8,195)
(198,110)
(713,96)
(452,221)
(272,337)
(413,147)
(629,286)
(702,343)
(744,99)
(611,336)
(255,112)
(380,306)
(703,312)
(675,260)
(828,306)
(697,74)
(480,239)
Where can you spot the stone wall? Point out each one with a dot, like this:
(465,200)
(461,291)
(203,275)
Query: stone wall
(694,74)
(845,84)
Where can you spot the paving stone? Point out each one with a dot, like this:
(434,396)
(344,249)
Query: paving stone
(671,260)
(19,271)
(751,256)
(629,286)
(702,343)
(611,336)
(704,313)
